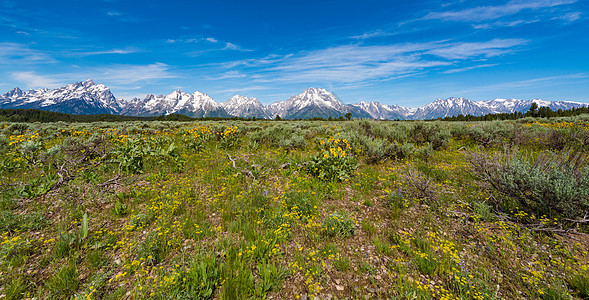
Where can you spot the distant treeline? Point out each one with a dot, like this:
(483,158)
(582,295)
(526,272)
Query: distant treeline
(35,115)
(542,112)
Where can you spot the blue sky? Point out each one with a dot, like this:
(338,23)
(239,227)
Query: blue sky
(397,52)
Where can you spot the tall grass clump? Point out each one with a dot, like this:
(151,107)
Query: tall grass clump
(338,224)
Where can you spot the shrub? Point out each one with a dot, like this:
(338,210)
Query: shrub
(332,165)
(338,224)
(487,133)
(379,150)
(437,135)
(552,184)
(129,155)
(294,142)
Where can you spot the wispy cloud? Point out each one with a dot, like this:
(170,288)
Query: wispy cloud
(231,46)
(504,24)
(16,53)
(356,63)
(244,90)
(32,80)
(468,68)
(228,75)
(102,52)
(113,13)
(132,74)
(534,83)
(119,76)
(491,48)
(483,13)
(122,17)
(191,40)
(569,17)
(372,34)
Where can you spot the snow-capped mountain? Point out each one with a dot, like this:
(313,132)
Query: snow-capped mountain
(313,102)
(89,98)
(195,105)
(77,98)
(245,107)
(515,105)
(449,107)
(380,111)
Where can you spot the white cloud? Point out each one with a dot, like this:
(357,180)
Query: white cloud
(132,74)
(111,51)
(534,83)
(491,48)
(15,53)
(356,63)
(32,80)
(192,40)
(244,90)
(126,77)
(229,75)
(231,46)
(503,24)
(113,13)
(468,68)
(373,34)
(569,17)
(480,13)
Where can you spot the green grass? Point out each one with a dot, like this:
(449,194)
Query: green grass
(241,214)
(64,282)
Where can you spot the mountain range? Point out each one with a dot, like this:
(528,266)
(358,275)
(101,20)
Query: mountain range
(88,98)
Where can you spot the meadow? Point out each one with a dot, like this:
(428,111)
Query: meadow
(295,210)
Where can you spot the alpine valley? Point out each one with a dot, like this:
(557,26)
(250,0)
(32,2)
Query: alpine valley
(89,98)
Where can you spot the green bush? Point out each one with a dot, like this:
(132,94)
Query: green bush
(129,155)
(332,165)
(553,184)
(294,142)
(435,134)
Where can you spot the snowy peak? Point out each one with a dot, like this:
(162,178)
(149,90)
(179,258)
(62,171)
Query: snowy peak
(452,106)
(245,107)
(84,97)
(312,102)
(316,96)
(380,111)
(15,93)
(196,104)
(515,105)
(87,97)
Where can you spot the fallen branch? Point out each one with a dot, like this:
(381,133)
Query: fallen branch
(114,179)
(245,171)
(232,161)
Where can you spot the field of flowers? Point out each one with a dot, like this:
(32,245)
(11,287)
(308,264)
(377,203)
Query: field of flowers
(295,210)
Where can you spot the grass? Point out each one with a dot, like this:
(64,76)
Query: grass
(64,282)
(227,214)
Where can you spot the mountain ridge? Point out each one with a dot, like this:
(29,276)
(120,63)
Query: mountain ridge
(87,97)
